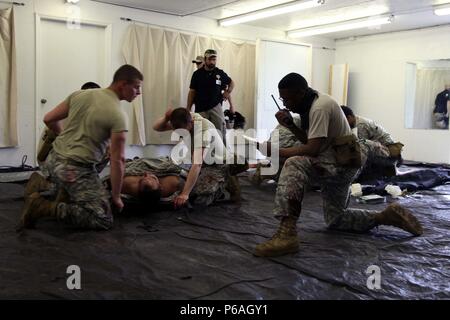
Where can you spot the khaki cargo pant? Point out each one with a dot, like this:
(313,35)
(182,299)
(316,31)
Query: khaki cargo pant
(89,205)
(215,115)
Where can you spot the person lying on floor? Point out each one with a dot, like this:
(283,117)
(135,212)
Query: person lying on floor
(156,183)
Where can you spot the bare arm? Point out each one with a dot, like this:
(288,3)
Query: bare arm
(230,102)
(190,99)
(52,119)
(117,166)
(310,149)
(163,123)
(191,179)
(230,86)
(227,91)
(300,134)
(285,119)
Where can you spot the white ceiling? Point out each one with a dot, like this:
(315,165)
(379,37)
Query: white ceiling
(176,7)
(409,14)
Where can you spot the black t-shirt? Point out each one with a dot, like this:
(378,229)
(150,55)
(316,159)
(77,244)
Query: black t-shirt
(208,86)
(441,102)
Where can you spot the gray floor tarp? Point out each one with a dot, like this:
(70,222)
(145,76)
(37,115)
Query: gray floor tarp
(206,254)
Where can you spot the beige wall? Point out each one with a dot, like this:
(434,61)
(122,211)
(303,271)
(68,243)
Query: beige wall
(94,11)
(378,79)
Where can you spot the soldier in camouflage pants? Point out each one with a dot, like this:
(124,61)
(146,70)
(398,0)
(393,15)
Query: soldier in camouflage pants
(89,203)
(93,119)
(335,183)
(330,157)
(299,172)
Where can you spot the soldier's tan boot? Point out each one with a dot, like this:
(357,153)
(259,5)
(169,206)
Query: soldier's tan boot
(36,183)
(400,217)
(256,178)
(395,150)
(234,188)
(36,207)
(46,145)
(284,241)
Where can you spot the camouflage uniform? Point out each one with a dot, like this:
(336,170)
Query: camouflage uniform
(89,205)
(376,139)
(160,167)
(370,130)
(299,172)
(334,168)
(210,185)
(93,116)
(286,139)
(375,152)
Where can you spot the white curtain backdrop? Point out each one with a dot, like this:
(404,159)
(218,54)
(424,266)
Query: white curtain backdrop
(165,58)
(429,82)
(8,82)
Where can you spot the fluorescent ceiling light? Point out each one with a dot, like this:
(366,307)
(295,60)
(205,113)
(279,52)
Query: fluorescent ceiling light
(270,12)
(442,10)
(340,15)
(342,26)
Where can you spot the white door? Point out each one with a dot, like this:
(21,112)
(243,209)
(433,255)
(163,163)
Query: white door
(66,59)
(275,60)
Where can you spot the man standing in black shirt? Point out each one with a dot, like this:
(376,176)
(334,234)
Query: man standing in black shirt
(441,108)
(209,87)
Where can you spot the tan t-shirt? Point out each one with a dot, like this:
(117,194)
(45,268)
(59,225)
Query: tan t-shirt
(205,126)
(214,154)
(93,115)
(327,120)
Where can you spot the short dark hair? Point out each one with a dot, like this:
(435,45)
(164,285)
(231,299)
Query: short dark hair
(149,197)
(347,111)
(180,117)
(127,73)
(293,81)
(90,85)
